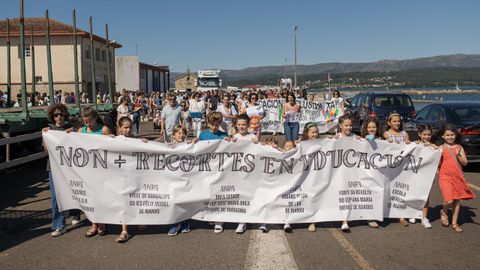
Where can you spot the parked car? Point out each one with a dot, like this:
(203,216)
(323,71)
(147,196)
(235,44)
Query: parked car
(380,105)
(464,115)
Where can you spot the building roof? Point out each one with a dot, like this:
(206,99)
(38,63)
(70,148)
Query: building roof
(163,69)
(183,75)
(39,26)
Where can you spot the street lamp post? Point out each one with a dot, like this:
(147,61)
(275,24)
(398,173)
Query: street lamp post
(295,67)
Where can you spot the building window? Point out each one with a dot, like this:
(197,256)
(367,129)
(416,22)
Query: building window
(27,51)
(104,56)
(87,52)
(38,79)
(98,54)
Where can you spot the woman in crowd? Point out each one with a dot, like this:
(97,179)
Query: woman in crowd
(197,110)
(123,110)
(255,112)
(291,118)
(338,100)
(229,114)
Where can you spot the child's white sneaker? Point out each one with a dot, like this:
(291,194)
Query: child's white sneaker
(345,228)
(426,223)
(241,228)
(411,220)
(218,228)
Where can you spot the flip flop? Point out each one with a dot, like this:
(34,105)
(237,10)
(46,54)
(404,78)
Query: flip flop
(444,218)
(457,228)
(91,232)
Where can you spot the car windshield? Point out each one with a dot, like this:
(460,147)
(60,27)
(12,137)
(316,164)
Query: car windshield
(209,82)
(467,114)
(392,101)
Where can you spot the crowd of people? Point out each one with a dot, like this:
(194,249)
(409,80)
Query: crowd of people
(236,117)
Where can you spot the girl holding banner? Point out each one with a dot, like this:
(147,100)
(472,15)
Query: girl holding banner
(94,126)
(345,131)
(310,132)
(395,133)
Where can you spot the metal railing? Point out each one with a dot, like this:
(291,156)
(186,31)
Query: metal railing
(8,163)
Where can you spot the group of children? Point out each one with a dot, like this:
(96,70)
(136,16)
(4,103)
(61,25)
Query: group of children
(452,183)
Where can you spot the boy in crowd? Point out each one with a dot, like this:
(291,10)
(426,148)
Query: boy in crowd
(214,119)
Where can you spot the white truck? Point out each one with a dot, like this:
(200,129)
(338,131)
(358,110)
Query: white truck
(208,80)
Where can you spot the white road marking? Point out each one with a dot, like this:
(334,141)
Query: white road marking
(269,251)
(357,257)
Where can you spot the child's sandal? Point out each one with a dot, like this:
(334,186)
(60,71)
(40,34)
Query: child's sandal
(123,237)
(91,232)
(102,229)
(457,228)
(444,218)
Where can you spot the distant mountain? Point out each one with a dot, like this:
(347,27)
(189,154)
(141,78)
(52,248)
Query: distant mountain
(455,60)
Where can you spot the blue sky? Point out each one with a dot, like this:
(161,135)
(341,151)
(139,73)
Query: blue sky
(236,34)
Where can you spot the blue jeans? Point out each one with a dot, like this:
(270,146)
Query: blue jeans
(136,123)
(291,130)
(58,218)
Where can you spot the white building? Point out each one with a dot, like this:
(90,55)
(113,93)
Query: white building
(133,75)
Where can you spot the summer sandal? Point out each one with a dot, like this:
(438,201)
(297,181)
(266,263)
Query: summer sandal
(102,230)
(403,222)
(91,232)
(457,228)
(124,236)
(444,218)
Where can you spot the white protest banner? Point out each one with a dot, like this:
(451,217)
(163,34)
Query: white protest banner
(123,180)
(325,114)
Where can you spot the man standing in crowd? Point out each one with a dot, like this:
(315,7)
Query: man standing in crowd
(214,100)
(170,117)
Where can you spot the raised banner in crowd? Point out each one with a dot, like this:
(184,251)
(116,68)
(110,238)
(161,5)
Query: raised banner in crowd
(325,114)
(123,180)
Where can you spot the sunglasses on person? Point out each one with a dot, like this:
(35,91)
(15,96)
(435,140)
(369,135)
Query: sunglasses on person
(55,115)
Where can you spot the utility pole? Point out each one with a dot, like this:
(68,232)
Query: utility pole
(109,83)
(75,62)
(32,55)
(92,65)
(49,60)
(23,75)
(9,67)
(295,67)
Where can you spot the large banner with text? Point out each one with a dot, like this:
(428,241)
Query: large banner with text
(126,181)
(324,114)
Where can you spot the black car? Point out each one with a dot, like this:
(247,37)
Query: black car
(379,105)
(464,115)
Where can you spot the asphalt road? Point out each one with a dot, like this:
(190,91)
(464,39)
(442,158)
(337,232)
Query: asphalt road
(25,241)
